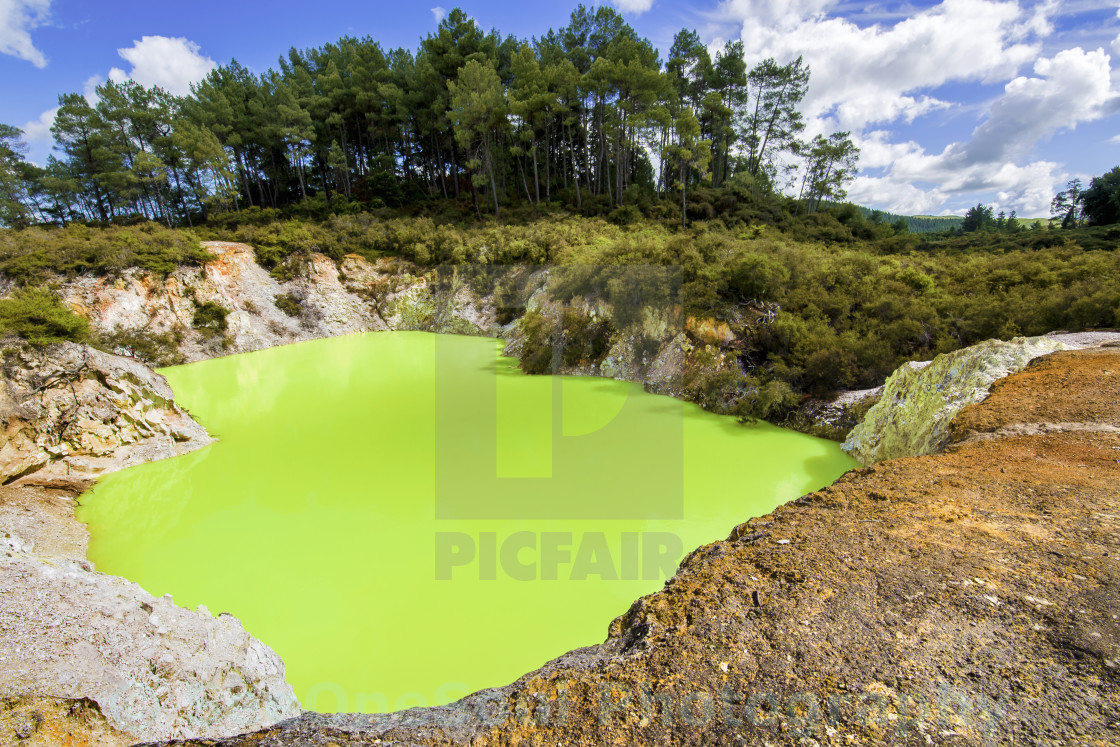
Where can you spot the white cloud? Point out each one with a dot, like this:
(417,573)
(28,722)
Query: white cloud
(1026,189)
(440,13)
(1069,88)
(172,63)
(899,197)
(89,89)
(17,19)
(633,7)
(1073,86)
(861,76)
(773,13)
(867,77)
(39,130)
(1115,140)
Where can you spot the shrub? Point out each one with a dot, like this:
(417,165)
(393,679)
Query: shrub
(538,342)
(289,304)
(39,316)
(210,318)
(35,255)
(157,350)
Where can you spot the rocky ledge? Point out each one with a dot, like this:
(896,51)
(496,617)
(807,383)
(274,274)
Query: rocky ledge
(963,597)
(71,413)
(87,658)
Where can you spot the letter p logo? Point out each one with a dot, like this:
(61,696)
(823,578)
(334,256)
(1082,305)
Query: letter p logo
(565,447)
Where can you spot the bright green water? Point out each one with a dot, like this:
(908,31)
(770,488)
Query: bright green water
(355,478)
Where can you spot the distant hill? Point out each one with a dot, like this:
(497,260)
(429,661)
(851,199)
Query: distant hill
(918,223)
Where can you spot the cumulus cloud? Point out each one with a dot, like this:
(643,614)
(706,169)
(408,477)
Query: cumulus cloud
(39,130)
(633,7)
(1069,88)
(919,182)
(17,19)
(868,77)
(172,63)
(875,74)
(1073,86)
(899,197)
(439,13)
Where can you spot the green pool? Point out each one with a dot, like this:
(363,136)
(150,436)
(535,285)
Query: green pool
(406,518)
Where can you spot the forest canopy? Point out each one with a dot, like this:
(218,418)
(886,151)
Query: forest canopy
(587,115)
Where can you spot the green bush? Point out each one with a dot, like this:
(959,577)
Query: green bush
(538,343)
(289,304)
(156,350)
(210,317)
(36,255)
(39,316)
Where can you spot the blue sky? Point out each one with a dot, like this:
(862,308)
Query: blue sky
(952,102)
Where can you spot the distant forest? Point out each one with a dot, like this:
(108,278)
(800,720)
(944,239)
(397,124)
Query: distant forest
(587,115)
(914,223)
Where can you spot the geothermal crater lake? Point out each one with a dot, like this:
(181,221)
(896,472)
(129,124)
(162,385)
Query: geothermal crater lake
(406,518)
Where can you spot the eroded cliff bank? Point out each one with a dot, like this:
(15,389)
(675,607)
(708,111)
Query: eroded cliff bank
(965,597)
(563,319)
(71,413)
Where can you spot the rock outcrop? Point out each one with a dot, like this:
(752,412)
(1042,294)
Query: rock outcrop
(86,657)
(912,415)
(152,668)
(318,299)
(71,413)
(963,598)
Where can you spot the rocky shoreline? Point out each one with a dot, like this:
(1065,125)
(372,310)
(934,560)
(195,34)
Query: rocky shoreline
(142,316)
(84,655)
(858,614)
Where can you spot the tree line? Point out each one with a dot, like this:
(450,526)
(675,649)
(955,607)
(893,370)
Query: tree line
(588,115)
(1074,206)
(1098,205)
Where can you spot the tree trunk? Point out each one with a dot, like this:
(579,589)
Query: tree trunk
(684,197)
(536,175)
(493,186)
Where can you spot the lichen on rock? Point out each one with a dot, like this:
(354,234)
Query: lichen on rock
(919,401)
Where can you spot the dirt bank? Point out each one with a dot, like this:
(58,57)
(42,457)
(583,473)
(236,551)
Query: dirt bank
(968,597)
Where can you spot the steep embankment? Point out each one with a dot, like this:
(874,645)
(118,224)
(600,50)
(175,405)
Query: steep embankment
(86,657)
(966,597)
(648,341)
(71,413)
(322,300)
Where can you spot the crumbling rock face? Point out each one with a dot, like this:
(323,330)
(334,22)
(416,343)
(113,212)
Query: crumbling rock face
(330,299)
(154,670)
(87,658)
(317,297)
(70,412)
